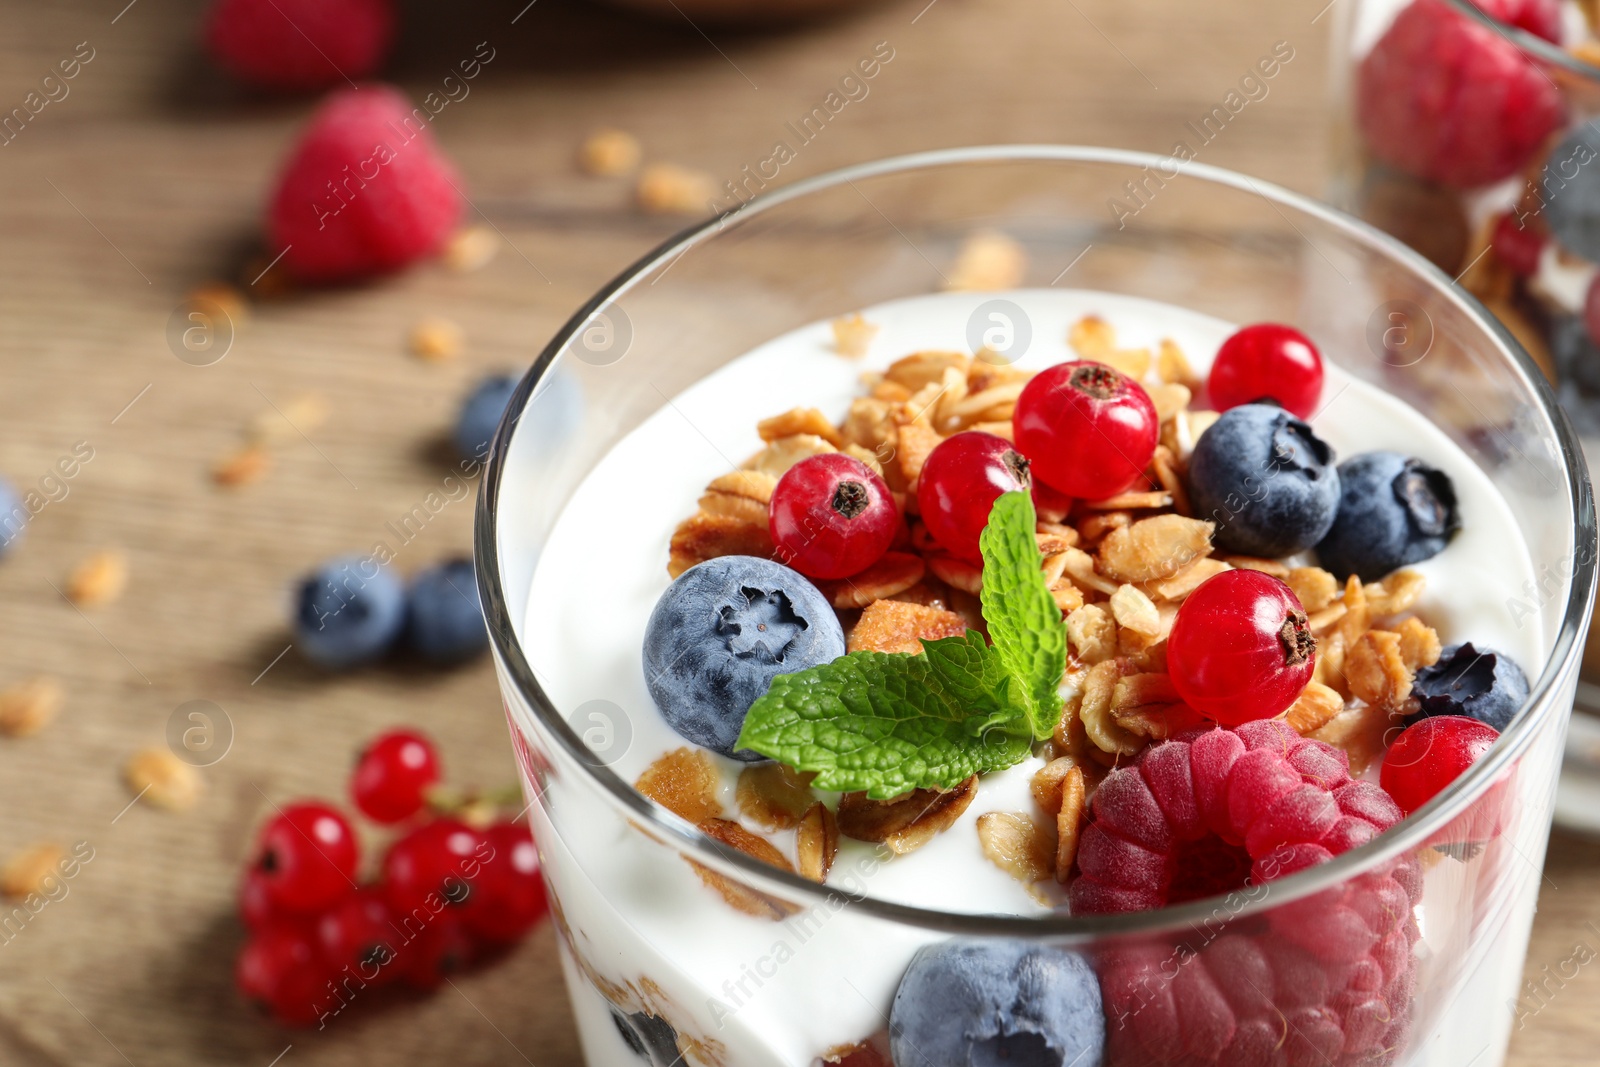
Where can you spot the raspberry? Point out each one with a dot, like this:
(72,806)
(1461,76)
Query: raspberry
(366,190)
(1444,98)
(1210,813)
(300,44)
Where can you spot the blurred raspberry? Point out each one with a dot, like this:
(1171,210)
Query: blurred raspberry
(300,44)
(1542,18)
(365,192)
(1447,99)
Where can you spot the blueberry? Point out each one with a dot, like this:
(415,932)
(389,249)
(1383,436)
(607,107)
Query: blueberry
(1265,479)
(14,517)
(348,612)
(649,1037)
(1483,684)
(721,633)
(1393,511)
(1571,185)
(992,1003)
(1577,361)
(553,413)
(444,621)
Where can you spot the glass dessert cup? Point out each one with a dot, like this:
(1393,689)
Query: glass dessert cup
(659,960)
(1534,162)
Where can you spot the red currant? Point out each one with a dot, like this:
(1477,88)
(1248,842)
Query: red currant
(1518,245)
(510,896)
(440,949)
(1088,430)
(434,866)
(831,516)
(1430,754)
(1241,648)
(1267,362)
(392,776)
(256,907)
(280,971)
(960,482)
(307,857)
(359,938)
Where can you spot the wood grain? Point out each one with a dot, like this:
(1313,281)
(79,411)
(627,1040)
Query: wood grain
(147,180)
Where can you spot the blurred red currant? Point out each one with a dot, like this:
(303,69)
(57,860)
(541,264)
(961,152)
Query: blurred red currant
(1267,361)
(435,866)
(441,948)
(281,971)
(392,777)
(307,857)
(831,516)
(1518,244)
(256,907)
(510,895)
(358,937)
(959,483)
(1088,430)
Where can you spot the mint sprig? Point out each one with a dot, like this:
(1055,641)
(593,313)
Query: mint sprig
(887,724)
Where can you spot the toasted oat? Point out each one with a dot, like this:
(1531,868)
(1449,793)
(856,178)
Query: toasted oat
(1319,621)
(668,189)
(1172,366)
(988,260)
(1068,597)
(1357,613)
(870,459)
(609,153)
(471,248)
(921,369)
(1094,338)
(739,495)
(774,796)
(1135,611)
(1187,429)
(1329,669)
(817,842)
(1361,732)
(1092,634)
(1018,844)
(797,421)
(1314,708)
(299,416)
(1165,467)
(905,823)
(958,573)
(242,466)
(1256,563)
(1081,567)
(1069,822)
(684,781)
(1419,644)
(157,776)
(1169,400)
(98,579)
(436,339)
(1047,782)
(785,452)
(1396,593)
(894,572)
(1376,670)
(28,707)
(30,870)
(1006,429)
(737,894)
(1148,706)
(896,626)
(1154,548)
(1137,501)
(1314,587)
(1099,691)
(1187,580)
(998,402)
(915,444)
(868,424)
(1094,528)
(852,335)
(703,536)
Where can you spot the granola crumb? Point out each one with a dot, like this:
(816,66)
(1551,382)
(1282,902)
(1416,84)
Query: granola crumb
(609,153)
(242,466)
(223,298)
(668,189)
(1069,822)
(1018,845)
(988,260)
(436,339)
(98,579)
(28,870)
(472,248)
(157,776)
(852,335)
(683,781)
(27,708)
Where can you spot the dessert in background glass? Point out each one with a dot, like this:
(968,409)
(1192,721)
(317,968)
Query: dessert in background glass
(1466,132)
(660,959)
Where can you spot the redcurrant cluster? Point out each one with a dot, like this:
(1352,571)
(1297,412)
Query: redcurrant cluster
(449,892)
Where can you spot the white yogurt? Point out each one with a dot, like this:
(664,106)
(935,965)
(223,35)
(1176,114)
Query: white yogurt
(636,909)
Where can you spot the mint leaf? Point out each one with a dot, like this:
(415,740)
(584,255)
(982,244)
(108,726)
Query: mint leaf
(888,724)
(1029,636)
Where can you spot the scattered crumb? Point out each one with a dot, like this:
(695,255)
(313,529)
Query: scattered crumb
(26,871)
(988,260)
(28,707)
(225,297)
(98,579)
(157,776)
(436,339)
(471,249)
(287,421)
(243,466)
(668,189)
(852,335)
(609,153)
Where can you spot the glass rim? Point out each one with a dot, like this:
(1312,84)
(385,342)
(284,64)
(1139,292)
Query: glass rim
(1544,50)
(1406,835)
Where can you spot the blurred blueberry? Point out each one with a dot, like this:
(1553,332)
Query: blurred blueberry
(650,1037)
(1393,511)
(1266,480)
(348,612)
(480,414)
(1482,684)
(553,414)
(1572,193)
(719,635)
(14,516)
(444,621)
(997,1004)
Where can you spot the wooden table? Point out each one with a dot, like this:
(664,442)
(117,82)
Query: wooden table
(148,178)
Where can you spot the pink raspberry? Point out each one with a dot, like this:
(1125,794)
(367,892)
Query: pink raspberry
(300,44)
(1228,811)
(1446,99)
(365,192)
(1542,18)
